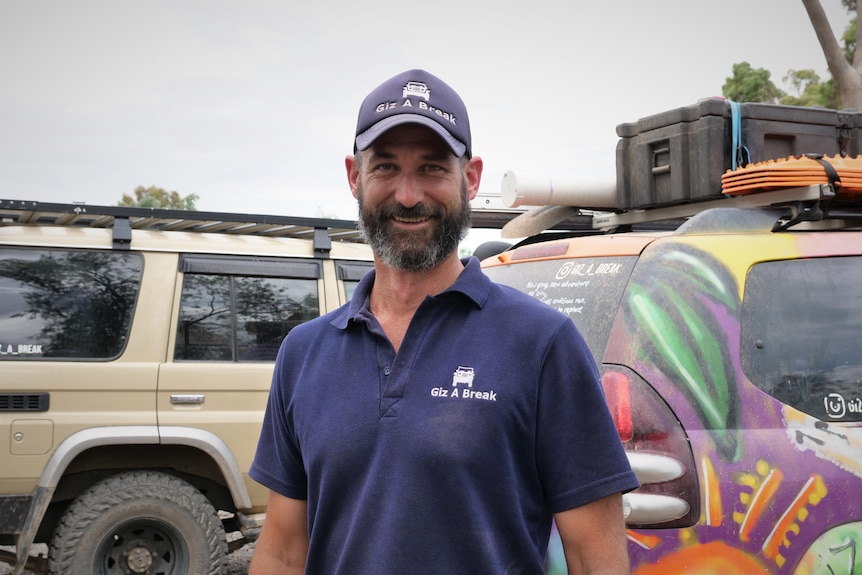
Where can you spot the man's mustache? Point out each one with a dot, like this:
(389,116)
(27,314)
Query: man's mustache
(420,211)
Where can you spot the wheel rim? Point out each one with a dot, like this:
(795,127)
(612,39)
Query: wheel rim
(143,546)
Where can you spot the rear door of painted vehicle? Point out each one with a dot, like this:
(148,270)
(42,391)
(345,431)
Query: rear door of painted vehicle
(739,336)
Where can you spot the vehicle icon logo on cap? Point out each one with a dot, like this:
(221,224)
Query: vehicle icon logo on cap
(418,89)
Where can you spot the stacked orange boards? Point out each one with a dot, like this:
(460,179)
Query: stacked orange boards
(797,171)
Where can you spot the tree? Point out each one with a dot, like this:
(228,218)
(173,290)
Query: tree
(845,64)
(750,85)
(154,197)
(754,85)
(812,92)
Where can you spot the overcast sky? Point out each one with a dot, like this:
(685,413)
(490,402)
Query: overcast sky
(252,104)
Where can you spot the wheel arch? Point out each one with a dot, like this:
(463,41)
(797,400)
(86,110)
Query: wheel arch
(186,451)
(136,521)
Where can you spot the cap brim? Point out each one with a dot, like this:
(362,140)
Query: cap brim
(366,138)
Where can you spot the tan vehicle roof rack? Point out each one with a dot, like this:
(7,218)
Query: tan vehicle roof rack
(123,220)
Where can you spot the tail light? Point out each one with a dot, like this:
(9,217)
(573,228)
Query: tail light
(658,450)
(619,398)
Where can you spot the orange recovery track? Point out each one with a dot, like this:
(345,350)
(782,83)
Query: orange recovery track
(797,171)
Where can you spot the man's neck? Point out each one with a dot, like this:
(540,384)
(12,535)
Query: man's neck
(397,294)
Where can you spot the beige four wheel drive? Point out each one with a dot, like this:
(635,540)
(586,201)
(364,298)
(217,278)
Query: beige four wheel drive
(136,353)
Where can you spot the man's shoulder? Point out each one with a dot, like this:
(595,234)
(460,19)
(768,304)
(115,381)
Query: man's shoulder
(505,296)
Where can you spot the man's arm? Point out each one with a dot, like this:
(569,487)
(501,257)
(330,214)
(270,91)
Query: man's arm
(282,547)
(594,538)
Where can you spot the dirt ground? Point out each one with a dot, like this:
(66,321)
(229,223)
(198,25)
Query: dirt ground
(237,561)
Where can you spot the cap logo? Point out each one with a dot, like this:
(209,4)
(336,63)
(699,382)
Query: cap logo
(418,89)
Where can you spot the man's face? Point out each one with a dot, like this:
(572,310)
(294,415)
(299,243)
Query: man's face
(413,198)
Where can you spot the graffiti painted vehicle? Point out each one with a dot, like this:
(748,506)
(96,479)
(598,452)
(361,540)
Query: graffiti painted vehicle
(729,346)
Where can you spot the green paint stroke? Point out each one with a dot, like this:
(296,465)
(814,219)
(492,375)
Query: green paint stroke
(688,340)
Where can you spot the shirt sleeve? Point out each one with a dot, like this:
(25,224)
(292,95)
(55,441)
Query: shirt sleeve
(278,462)
(579,453)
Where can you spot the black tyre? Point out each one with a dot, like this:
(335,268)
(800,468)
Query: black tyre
(139,523)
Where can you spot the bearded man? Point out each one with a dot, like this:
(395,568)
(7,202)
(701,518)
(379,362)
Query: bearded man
(438,422)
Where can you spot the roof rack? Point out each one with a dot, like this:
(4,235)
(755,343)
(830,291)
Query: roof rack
(799,200)
(489,211)
(124,219)
(27,212)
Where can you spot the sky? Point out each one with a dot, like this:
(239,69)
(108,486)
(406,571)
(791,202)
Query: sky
(252,104)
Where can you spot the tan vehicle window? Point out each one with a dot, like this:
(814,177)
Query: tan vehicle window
(242,318)
(66,304)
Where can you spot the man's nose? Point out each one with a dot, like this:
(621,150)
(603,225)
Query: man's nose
(409,191)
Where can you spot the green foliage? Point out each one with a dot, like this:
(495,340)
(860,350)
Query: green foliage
(750,85)
(754,85)
(811,91)
(849,38)
(154,197)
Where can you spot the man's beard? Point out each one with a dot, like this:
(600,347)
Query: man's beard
(419,250)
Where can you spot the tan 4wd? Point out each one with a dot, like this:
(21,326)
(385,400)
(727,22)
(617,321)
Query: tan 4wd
(136,352)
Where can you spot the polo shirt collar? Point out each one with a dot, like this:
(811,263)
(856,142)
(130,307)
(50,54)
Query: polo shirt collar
(471,283)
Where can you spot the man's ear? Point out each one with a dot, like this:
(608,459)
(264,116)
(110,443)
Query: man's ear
(473,175)
(351,164)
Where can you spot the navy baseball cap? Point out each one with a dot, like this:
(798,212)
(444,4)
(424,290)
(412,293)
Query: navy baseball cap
(415,97)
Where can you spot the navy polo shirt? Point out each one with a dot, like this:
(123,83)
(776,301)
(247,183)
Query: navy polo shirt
(449,456)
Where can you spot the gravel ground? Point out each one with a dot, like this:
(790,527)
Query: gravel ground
(237,562)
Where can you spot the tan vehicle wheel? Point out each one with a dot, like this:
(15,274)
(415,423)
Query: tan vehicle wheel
(140,523)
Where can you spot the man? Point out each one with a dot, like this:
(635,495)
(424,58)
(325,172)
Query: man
(438,422)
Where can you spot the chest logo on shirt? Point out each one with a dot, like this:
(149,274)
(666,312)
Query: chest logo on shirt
(462,387)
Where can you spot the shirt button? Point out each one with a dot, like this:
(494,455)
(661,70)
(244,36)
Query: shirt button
(386,370)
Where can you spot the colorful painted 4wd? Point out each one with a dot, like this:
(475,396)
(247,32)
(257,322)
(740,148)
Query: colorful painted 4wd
(730,354)
(136,353)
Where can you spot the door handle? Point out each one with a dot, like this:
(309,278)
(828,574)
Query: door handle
(179,399)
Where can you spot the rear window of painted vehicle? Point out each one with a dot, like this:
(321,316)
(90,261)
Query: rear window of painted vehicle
(66,304)
(801,334)
(588,290)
